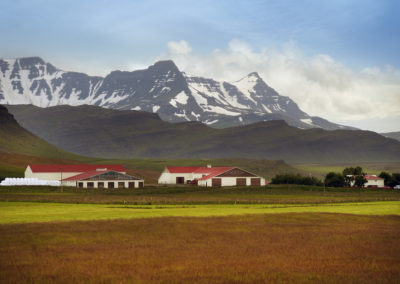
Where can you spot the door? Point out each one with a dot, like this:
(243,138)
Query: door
(140,184)
(90,185)
(256,181)
(216,182)
(100,184)
(131,184)
(180,180)
(111,184)
(121,184)
(80,184)
(241,181)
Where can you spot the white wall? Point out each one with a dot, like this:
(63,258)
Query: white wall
(95,183)
(169,178)
(228,181)
(375,182)
(48,176)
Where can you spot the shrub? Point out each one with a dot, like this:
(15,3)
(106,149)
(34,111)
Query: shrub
(295,179)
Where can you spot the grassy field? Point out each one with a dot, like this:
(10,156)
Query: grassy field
(273,194)
(274,234)
(261,248)
(28,212)
(320,170)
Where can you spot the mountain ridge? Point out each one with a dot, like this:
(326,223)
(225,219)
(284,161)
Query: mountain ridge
(99,132)
(161,88)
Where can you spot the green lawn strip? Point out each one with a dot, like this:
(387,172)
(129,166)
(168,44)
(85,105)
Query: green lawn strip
(28,212)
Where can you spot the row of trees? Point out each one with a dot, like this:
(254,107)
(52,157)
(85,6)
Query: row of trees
(390,179)
(351,176)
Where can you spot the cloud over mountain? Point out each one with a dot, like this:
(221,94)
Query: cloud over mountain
(320,84)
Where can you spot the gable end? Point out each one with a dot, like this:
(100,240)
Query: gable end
(236,172)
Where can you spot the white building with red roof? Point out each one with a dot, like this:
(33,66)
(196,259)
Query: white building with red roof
(372,181)
(210,176)
(85,176)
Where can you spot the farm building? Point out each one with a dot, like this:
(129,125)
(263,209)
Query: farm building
(85,176)
(372,181)
(103,179)
(209,176)
(59,172)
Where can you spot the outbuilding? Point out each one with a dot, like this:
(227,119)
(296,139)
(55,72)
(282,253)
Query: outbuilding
(103,179)
(60,172)
(372,181)
(210,176)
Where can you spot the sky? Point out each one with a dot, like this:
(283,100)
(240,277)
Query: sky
(336,59)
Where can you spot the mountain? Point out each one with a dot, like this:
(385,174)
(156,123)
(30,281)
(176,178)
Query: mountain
(95,131)
(15,139)
(393,135)
(162,88)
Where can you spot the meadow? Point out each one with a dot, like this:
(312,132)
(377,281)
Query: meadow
(282,233)
(259,248)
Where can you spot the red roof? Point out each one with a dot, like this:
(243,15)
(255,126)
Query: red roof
(74,168)
(210,172)
(183,170)
(217,171)
(367,177)
(85,175)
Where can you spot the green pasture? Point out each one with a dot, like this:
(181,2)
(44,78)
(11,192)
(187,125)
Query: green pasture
(321,170)
(27,212)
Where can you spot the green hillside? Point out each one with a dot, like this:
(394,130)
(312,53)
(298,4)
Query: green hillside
(94,131)
(15,139)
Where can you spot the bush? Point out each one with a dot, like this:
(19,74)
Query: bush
(295,179)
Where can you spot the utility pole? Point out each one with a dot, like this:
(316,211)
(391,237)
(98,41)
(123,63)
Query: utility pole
(61,180)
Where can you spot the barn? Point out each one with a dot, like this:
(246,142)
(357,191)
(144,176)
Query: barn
(103,179)
(85,176)
(59,172)
(210,176)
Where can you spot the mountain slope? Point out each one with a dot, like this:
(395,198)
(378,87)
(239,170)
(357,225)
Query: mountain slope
(393,135)
(162,88)
(15,139)
(102,132)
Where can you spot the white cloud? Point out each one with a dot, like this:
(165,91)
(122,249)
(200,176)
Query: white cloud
(179,48)
(319,85)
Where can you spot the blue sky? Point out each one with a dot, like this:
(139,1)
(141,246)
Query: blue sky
(360,33)
(99,36)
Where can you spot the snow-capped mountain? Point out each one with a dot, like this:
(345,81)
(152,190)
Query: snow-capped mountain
(162,89)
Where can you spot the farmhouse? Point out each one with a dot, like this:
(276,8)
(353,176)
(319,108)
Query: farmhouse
(372,181)
(85,176)
(209,176)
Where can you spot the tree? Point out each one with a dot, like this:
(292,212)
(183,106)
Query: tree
(360,181)
(358,171)
(395,179)
(353,171)
(348,179)
(388,178)
(334,180)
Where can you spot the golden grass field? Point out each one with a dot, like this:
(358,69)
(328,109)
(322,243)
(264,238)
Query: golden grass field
(261,248)
(276,234)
